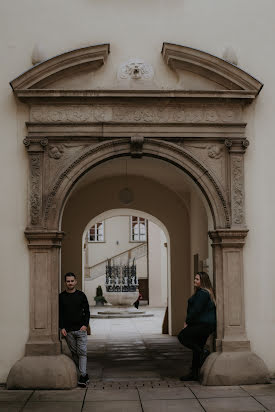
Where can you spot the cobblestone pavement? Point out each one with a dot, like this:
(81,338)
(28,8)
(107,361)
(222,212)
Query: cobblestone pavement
(134,368)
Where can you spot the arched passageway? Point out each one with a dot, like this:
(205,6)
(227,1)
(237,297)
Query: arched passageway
(172,200)
(199,132)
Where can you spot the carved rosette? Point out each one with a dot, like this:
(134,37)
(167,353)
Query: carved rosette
(35,198)
(237,190)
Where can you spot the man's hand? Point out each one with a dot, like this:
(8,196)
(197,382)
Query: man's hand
(185,325)
(84,328)
(64,332)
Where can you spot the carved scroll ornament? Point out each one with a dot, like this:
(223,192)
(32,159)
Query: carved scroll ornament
(35,201)
(237,191)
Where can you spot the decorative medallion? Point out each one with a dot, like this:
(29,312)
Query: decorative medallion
(136,69)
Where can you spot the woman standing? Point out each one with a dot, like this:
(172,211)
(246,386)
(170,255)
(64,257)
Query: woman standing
(200,322)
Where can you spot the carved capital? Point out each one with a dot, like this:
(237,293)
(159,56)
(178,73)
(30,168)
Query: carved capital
(228,237)
(136,146)
(245,144)
(39,239)
(228,143)
(237,146)
(26,142)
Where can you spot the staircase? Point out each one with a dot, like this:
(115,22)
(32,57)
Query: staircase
(95,271)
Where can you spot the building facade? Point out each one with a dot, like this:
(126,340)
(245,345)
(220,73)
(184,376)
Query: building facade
(184,92)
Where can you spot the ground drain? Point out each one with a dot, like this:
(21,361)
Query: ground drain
(106,385)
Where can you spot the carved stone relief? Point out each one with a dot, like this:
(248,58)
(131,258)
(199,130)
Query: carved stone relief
(59,156)
(136,69)
(56,151)
(35,199)
(213,157)
(237,190)
(179,113)
(214,151)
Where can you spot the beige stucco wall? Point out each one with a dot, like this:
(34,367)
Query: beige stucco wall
(138,29)
(117,240)
(157,266)
(199,238)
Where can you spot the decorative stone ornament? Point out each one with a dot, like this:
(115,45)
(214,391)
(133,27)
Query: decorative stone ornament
(136,146)
(136,69)
(230,55)
(38,54)
(214,151)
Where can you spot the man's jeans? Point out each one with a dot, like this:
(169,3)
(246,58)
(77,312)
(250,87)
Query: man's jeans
(77,342)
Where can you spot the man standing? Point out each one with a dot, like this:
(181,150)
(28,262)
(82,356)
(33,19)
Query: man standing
(74,316)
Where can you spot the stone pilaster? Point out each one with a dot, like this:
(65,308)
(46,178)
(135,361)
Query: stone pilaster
(44,264)
(43,365)
(233,363)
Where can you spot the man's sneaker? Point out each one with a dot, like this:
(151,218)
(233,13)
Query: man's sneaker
(83,380)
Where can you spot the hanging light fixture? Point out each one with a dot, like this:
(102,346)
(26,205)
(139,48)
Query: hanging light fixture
(126,195)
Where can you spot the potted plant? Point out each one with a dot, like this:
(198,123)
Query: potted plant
(99,298)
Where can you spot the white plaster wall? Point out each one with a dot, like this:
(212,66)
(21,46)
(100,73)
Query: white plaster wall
(138,29)
(117,240)
(199,237)
(157,266)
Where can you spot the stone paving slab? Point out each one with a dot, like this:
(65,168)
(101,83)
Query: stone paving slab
(73,395)
(10,407)
(260,389)
(172,405)
(15,396)
(111,395)
(53,407)
(165,393)
(218,391)
(267,401)
(242,404)
(114,406)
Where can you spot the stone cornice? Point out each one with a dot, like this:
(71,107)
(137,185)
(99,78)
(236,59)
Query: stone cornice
(91,96)
(211,67)
(52,69)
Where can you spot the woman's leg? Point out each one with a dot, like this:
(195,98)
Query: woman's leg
(194,337)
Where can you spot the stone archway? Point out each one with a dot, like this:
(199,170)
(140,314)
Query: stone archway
(202,132)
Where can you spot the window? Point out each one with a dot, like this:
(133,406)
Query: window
(138,229)
(96,233)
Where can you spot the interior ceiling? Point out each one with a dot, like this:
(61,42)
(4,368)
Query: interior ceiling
(148,167)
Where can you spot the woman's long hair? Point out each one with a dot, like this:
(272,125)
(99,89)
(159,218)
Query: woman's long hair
(206,284)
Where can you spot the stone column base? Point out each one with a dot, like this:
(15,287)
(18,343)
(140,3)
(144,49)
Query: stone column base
(234,368)
(43,372)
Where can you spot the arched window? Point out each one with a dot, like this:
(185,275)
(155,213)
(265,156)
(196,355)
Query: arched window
(96,232)
(138,229)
